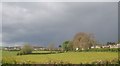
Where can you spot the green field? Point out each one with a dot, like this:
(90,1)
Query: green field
(67,57)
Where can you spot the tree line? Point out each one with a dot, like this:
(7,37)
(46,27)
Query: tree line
(81,41)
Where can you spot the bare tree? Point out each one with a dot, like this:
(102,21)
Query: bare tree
(51,47)
(83,40)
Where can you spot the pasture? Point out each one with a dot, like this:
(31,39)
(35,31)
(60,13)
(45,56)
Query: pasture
(67,57)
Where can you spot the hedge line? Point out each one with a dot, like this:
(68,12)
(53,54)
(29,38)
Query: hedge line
(102,50)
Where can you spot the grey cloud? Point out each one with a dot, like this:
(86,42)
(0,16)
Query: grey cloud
(0,24)
(43,23)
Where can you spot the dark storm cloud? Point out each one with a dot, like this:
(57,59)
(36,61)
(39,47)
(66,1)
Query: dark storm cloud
(0,24)
(44,23)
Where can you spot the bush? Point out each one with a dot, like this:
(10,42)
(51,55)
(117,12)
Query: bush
(27,49)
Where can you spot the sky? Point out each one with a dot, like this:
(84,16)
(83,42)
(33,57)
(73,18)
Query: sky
(118,22)
(0,24)
(43,23)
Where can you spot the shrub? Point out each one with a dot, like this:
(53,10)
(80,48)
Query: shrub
(27,49)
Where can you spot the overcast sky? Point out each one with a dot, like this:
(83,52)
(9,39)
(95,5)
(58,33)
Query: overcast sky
(0,24)
(43,23)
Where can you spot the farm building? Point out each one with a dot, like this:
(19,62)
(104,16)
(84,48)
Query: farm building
(38,48)
(96,46)
(12,48)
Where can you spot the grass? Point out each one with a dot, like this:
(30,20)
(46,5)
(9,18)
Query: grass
(68,57)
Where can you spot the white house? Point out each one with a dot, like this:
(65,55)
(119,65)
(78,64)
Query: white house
(92,47)
(106,46)
(77,49)
(95,47)
(115,46)
(118,45)
(38,48)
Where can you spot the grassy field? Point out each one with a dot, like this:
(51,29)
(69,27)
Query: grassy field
(68,57)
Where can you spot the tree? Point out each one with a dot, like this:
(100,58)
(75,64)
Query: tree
(64,45)
(59,46)
(26,49)
(83,40)
(67,45)
(51,47)
(118,41)
(108,43)
(70,46)
(111,43)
